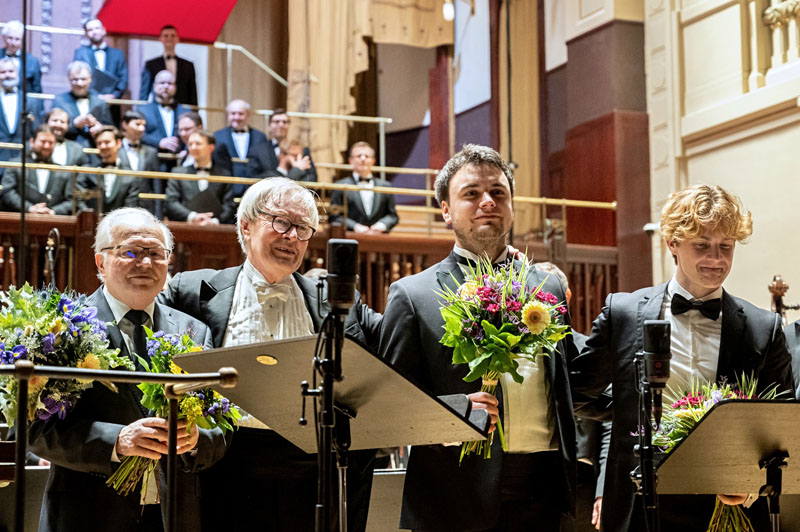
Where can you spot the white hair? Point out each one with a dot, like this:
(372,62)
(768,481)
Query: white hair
(246,105)
(9,61)
(12,25)
(273,191)
(103,238)
(78,66)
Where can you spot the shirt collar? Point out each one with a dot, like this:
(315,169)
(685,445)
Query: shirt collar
(674,287)
(119,309)
(101,46)
(255,277)
(467,254)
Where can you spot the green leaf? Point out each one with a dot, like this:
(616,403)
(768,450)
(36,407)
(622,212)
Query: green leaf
(477,370)
(489,329)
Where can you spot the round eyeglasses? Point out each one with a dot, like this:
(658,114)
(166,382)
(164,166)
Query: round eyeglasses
(282,225)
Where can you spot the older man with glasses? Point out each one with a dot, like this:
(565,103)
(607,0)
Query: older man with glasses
(132,250)
(273,482)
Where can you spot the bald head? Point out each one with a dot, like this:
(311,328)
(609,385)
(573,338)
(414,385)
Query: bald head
(164,87)
(238,114)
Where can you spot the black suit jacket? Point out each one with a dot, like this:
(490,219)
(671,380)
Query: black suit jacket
(33,79)
(115,65)
(792,332)
(75,154)
(179,192)
(97,108)
(439,494)
(34,108)
(186,85)
(80,447)
(382,206)
(124,192)
(751,341)
(57,194)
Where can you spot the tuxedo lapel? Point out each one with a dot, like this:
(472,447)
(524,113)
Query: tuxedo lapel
(649,309)
(216,299)
(734,322)
(318,310)
(449,274)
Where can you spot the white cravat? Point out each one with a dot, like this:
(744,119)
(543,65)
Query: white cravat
(60,153)
(167,117)
(695,341)
(367,195)
(10,101)
(242,143)
(83,106)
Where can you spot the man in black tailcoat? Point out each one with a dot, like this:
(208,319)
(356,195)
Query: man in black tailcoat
(714,336)
(532,485)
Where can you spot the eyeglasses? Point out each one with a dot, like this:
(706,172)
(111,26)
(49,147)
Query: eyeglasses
(282,225)
(130,253)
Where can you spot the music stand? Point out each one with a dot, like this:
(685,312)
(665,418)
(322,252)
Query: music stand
(385,409)
(740,446)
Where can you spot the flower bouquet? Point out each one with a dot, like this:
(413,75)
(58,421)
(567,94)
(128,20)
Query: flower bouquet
(205,408)
(686,411)
(491,321)
(51,328)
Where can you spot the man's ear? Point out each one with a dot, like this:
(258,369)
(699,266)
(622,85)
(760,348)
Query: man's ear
(245,228)
(99,259)
(448,218)
(673,248)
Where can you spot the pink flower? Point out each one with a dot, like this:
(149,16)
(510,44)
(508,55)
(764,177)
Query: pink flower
(561,309)
(494,307)
(513,306)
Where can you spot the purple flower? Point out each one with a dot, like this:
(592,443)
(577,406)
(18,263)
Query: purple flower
(19,352)
(48,343)
(53,407)
(66,306)
(158,334)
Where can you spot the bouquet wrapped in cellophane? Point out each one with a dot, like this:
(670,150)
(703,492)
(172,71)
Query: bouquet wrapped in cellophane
(492,321)
(684,411)
(205,408)
(51,328)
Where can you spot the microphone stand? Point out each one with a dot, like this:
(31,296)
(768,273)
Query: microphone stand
(22,121)
(644,476)
(53,242)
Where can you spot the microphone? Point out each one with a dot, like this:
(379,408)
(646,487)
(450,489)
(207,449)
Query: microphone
(657,355)
(342,274)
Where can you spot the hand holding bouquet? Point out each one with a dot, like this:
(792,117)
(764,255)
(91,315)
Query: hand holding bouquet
(491,321)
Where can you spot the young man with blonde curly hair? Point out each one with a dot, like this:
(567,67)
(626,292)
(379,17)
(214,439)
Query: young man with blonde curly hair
(714,335)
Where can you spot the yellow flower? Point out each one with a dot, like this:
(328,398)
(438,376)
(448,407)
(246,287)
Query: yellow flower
(36,384)
(468,290)
(194,348)
(174,369)
(192,408)
(57,326)
(535,316)
(90,361)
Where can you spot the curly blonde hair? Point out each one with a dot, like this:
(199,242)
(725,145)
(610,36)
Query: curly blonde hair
(700,208)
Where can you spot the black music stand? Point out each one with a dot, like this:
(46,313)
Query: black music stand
(383,407)
(740,446)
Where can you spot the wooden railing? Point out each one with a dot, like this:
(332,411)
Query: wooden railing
(591,270)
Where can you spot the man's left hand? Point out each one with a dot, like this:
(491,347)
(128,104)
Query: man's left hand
(187,440)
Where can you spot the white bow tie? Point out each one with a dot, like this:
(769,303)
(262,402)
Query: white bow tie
(266,291)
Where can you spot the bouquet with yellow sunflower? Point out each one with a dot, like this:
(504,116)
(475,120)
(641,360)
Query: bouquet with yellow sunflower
(205,408)
(51,328)
(491,321)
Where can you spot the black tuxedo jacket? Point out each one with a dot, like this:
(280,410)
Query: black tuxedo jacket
(382,206)
(438,493)
(80,447)
(258,161)
(751,341)
(154,128)
(792,332)
(125,191)
(115,65)
(33,78)
(57,194)
(97,108)
(186,85)
(179,192)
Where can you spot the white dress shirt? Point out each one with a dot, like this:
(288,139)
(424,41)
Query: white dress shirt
(167,117)
(108,183)
(83,106)
(695,341)
(242,143)
(42,176)
(366,193)
(527,425)
(60,153)
(132,153)
(100,55)
(10,106)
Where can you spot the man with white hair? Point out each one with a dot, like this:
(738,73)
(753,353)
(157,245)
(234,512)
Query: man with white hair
(10,107)
(240,141)
(12,39)
(87,112)
(273,482)
(132,250)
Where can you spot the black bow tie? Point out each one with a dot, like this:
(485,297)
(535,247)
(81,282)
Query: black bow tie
(710,308)
(169,56)
(109,165)
(13,56)
(240,131)
(134,146)
(170,106)
(364,179)
(202,169)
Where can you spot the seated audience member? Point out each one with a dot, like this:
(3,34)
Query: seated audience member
(112,80)
(12,39)
(277,132)
(10,107)
(182,69)
(184,198)
(67,152)
(367,212)
(293,163)
(792,332)
(46,192)
(188,123)
(88,113)
(140,156)
(240,141)
(273,481)
(116,191)
(132,252)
